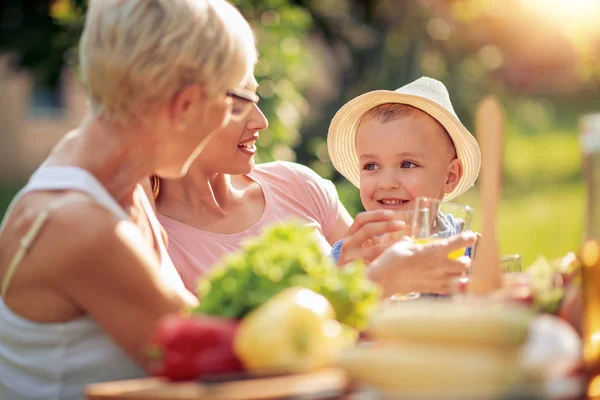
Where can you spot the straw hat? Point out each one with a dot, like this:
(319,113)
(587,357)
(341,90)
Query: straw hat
(426,94)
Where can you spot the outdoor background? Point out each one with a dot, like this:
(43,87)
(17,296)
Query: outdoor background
(541,57)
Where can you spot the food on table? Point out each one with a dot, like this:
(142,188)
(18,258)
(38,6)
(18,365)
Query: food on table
(549,280)
(432,371)
(184,348)
(285,256)
(294,331)
(553,346)
(441,349)
(447,322)
(545,285)
(569,268)
(264,288)
(516,288)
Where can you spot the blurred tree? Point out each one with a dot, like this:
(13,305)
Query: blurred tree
(541,56)
(315,55)
(42,36)
(38,34)
(283,71)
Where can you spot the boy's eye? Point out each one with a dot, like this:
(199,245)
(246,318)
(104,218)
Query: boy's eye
(408,164)
(370,166)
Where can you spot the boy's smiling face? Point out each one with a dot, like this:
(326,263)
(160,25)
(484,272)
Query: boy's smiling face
(405,158)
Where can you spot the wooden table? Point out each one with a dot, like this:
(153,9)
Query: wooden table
(329,383)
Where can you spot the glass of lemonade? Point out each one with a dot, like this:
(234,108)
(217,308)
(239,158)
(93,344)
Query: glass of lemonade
(434,220)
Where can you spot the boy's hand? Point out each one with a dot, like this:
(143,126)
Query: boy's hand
(371,233)
(409,267)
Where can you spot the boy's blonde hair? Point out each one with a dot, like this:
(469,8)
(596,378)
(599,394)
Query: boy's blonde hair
(387,112)
(136,53)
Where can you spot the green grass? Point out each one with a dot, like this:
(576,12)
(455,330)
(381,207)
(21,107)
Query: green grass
(543,202)
(534,161)
(547,222)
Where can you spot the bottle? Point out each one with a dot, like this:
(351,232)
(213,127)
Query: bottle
(590,254)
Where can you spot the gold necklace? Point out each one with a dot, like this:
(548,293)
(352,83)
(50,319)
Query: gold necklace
(155,186)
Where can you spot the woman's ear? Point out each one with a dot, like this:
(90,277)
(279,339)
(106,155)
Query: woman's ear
(185,104)
(453,176)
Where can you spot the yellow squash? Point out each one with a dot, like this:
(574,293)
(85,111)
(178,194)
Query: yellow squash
(294,331)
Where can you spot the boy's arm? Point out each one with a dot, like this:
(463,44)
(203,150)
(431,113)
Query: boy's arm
(336,249)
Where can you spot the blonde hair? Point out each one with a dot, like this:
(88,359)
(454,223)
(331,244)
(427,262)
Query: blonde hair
(387,112)
(136,53)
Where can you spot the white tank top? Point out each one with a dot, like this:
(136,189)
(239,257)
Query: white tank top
(53,361)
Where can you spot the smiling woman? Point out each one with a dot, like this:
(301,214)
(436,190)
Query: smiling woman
(226,198)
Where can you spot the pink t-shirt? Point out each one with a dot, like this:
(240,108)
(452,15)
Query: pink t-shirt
(291,191)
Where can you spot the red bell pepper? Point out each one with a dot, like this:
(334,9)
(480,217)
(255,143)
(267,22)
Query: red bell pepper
(187,348)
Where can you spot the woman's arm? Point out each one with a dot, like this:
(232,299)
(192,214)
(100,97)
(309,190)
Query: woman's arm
(341,225)
(111,273)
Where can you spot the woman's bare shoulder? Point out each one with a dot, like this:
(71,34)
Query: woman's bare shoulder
(90,232)
(73,228)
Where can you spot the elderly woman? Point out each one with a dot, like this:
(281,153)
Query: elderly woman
(225,198)
(84,273)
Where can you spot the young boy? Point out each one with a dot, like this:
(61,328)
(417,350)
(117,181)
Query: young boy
(400,145)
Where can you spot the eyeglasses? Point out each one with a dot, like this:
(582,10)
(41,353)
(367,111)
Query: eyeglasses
(242,102)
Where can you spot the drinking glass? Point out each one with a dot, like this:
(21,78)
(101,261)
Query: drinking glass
(408,217)
(516,289)
(511,263)
(516,285)
(434,220)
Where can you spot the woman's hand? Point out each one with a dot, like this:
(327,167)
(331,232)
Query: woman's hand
(409,267)
(371,233)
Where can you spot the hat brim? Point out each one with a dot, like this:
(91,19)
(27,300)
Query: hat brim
(341,139)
